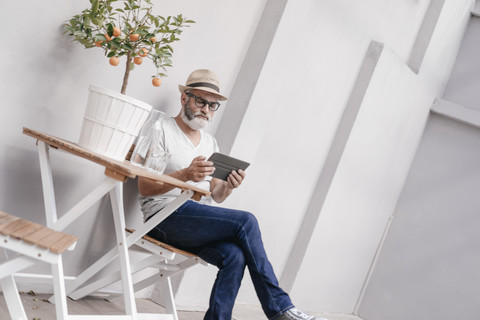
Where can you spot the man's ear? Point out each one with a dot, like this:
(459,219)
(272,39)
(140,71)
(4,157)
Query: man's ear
(183,98)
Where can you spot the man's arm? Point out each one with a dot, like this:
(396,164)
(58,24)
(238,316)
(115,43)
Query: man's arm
(222,189)
(196,171)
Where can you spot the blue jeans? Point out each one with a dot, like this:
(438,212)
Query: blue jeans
(231,240)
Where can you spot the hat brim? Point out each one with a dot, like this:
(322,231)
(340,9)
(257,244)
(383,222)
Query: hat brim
(220,97)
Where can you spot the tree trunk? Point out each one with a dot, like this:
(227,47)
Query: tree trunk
(127,73)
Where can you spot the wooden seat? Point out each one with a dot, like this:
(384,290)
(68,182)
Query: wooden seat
(164,245)
(35,234)
(33,242)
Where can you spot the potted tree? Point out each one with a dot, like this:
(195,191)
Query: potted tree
(122,29)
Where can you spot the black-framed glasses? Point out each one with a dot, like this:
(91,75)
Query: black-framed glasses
(200,102)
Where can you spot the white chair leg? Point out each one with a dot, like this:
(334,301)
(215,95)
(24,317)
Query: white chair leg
(14,303)
(124,259)
(59,290)
(10,293)
(168,298)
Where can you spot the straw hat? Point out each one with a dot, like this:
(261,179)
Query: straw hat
(203,79)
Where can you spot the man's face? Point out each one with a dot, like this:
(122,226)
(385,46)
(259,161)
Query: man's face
(194,114)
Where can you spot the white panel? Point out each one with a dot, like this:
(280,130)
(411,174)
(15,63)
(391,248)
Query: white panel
(456,112)
(365,189)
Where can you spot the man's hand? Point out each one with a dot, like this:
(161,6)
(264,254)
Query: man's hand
(196,171)
(235,178)
(222,189)
(199,169)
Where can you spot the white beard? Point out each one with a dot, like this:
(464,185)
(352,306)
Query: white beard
(195,123)
(190,119)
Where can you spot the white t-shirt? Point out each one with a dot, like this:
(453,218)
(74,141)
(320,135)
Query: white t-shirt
(182,150)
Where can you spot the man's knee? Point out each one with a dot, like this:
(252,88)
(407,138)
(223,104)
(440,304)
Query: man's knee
(233,256)
(223,254)
(251,222)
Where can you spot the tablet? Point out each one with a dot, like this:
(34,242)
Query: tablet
(225,164)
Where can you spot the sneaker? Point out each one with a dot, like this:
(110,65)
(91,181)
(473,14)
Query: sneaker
(295,314)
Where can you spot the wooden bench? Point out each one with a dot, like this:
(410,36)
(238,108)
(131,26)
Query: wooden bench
(35,234)
(33,242)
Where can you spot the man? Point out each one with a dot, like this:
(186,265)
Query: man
(229,239)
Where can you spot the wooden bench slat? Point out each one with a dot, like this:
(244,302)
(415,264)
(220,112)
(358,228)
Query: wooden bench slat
(35,234)
(164,245)
(48,241)
(4,221)
(14,226)
(63,244)
(27,230)
(35,237)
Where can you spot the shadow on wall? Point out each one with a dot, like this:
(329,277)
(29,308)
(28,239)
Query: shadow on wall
(23,173)
(133,214)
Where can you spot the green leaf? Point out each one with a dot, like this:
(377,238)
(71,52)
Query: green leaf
(127,46)
(99,37)
(116,43)
(87,21)
(94,6)
(109,29)
(98,21)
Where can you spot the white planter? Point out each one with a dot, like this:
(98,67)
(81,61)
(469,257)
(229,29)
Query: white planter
(112,121)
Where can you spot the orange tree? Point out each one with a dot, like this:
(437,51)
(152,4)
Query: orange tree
(128,28)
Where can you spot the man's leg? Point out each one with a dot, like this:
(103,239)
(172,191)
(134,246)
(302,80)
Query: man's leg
(194,226)
(230,260)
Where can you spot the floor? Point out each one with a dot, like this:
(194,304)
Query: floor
(38,308)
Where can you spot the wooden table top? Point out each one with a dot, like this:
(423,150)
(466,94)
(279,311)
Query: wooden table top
(119,170)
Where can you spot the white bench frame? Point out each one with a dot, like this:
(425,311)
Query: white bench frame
(28,255)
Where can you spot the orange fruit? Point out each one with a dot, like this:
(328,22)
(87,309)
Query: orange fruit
(114,61)
(137,60)
(156,82)
(108,37)
(142,52)
(99,43)
(116,32)
(153,39)
(134,37)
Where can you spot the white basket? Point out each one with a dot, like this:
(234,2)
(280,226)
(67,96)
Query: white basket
(111,122)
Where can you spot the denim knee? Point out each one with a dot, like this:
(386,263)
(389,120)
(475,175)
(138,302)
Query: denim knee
(223,255)
(234,256)
(250,222)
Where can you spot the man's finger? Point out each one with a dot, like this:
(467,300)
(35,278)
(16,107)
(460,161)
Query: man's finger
(206,164)
(199,158)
